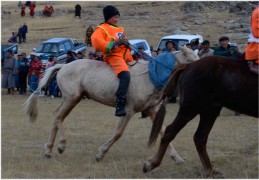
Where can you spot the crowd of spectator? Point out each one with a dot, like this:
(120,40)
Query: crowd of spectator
(30,4)
(31,70)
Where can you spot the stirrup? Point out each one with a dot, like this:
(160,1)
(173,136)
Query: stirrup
(120,112)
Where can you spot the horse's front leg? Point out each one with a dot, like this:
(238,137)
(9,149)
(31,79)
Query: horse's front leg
(170,149)
(103,149)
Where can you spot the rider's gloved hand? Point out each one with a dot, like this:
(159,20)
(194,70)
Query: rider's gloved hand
(121,42)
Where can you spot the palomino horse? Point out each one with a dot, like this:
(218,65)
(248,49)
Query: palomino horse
(206,86)
(97,80)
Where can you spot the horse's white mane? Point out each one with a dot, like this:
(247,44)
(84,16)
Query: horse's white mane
(189,53)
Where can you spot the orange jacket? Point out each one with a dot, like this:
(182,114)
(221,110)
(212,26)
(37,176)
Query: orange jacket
(252,49)
(104,38)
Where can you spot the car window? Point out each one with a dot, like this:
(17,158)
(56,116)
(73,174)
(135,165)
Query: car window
(68,46)
(61,47)
(143,44)
(39,48)
(177,41)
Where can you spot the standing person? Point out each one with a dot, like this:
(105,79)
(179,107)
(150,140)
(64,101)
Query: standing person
(111,40)
(170,46)
(23,70)
(53,87)
(78,10)
(224,48)
(206,50)
(98,55)
(235,47)
(50,62)
(252,49)
(34,72)
(79,55)
(70,57)
(189,45)
(18,62)
(91,55)
(199,48)
(88,34)
(20,34)
(32,7)
(9,71)
(24,32)
(23,10)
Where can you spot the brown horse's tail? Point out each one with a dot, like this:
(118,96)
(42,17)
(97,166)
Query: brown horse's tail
(160,115)
(31,105)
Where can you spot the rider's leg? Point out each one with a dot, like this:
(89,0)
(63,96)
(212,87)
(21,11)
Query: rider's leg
(124,78)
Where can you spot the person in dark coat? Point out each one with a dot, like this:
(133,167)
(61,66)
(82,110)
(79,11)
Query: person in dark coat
(78,10)
(18,62)
(70,57)
(9,71)
(24,32)
(20,34)
(23,71)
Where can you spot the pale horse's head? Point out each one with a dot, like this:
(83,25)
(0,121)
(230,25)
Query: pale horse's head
(185,55)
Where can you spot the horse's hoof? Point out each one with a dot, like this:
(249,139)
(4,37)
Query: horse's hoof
(60,150)
(146,168)
(215,174)
(179,160)
(98,158)
(48,156)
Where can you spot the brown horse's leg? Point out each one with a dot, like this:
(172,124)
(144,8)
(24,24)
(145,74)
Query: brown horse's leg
(170,133)
(103,149)
(170,149)
(60,114)
(207,119)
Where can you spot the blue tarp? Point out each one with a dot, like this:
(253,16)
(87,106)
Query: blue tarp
(160,69)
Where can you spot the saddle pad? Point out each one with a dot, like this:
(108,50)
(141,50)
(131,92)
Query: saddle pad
(160,69)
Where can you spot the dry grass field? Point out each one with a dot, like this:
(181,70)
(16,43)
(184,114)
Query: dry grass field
(232,144)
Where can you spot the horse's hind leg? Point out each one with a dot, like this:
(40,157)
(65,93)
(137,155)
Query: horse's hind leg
(60,114)
(171,131)
(207,119)
(103,149)
(170,149)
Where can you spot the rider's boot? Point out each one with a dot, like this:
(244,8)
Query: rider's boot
(124,79)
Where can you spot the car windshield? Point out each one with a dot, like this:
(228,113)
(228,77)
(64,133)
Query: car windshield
(47,48)
(177,41)
(139,44)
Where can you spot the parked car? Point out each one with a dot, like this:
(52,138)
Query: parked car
(57,47)
(5,48)
(141,42)
(180,39)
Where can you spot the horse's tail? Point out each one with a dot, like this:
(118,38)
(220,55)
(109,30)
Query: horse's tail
(170,88)
(31,105)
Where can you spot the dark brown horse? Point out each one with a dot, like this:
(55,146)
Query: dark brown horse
(206,86)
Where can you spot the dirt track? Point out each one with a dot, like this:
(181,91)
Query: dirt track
(232,145)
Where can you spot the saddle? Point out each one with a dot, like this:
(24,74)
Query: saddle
(160,69)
